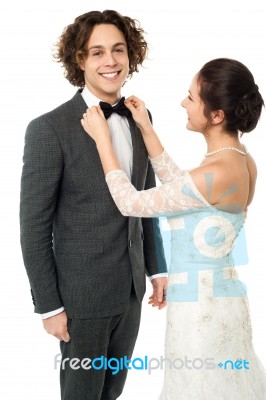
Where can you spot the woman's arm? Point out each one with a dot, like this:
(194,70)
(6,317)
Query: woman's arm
(180,190)
(169,198)
(96,126)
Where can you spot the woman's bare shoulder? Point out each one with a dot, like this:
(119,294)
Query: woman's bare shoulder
(223,181)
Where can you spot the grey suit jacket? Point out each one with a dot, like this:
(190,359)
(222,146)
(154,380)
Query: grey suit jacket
(78,250)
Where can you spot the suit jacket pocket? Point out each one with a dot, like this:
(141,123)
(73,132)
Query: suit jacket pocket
(75,246)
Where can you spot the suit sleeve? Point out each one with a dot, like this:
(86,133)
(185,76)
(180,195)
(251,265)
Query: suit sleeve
(153,244)
(155,262)
(40,183)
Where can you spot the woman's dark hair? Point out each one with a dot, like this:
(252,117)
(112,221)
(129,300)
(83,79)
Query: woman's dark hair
(71,48)
(228,85)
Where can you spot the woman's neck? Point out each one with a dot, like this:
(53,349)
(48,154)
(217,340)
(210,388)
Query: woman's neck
(218,140)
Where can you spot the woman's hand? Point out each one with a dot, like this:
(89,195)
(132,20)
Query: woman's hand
(94,123)
(141,117)
(139,113)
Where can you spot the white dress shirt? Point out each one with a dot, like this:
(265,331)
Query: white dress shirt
(120,134)
(122,144)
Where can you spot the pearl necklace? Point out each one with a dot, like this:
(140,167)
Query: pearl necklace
(244,153)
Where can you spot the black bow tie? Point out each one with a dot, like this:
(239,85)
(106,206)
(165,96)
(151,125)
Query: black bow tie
(119,108)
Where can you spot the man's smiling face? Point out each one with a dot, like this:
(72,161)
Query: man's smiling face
(107,65)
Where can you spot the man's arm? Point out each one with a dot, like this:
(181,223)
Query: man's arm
(155,261)
(41,176)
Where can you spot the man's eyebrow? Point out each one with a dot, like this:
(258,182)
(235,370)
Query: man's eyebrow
(98,46)
(120,44)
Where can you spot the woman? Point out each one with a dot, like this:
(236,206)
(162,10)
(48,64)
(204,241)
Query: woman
(208,334)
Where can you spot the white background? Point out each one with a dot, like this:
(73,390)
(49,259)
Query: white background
(183,35)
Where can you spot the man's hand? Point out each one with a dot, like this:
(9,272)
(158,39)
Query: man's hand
(157,299)
(57,326)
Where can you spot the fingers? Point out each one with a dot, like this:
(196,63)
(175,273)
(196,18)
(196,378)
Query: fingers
(134,99)
(65,337)
(158,297)
(162,305)
(57,326)
(130,104)
(92,111)
(92,115)
(161,293)
(155,303)
(159,285)
(100,111)
(133,102)
(83,119)
(61,333)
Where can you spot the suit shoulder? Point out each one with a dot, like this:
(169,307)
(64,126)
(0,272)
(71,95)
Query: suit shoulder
(61,114)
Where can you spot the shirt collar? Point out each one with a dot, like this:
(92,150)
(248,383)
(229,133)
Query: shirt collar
(89,98)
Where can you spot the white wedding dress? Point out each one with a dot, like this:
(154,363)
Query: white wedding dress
(208,347)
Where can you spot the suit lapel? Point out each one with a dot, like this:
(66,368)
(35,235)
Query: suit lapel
(140,156)
(79,104)
(135,144)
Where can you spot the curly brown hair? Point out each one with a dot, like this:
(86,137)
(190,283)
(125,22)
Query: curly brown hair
(71,48)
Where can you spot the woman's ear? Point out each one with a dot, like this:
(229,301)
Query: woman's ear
(217,117)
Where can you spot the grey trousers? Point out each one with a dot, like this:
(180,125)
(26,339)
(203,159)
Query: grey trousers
(101,338)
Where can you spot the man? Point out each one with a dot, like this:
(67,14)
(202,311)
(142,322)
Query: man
(84,260)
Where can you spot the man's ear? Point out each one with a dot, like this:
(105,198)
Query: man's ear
(81,65)
(80,61)
(217,117)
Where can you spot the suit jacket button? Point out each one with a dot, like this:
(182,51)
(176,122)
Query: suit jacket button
(130,243)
